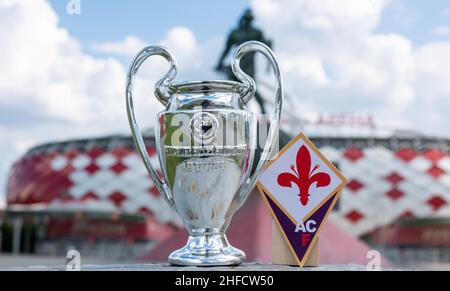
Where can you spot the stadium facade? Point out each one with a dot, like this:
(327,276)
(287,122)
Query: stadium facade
(96,196)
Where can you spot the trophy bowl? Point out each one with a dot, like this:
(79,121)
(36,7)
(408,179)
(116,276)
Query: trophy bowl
(206,141)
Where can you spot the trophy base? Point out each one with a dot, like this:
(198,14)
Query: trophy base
(207,251)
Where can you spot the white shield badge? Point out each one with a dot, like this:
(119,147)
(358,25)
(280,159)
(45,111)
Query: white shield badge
(301,187)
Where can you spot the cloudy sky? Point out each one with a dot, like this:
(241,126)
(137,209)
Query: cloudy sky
(62,74)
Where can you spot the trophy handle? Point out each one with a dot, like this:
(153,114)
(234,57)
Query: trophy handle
(256,46)
(162,92)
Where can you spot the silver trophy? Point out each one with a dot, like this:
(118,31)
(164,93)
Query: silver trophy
(206,141)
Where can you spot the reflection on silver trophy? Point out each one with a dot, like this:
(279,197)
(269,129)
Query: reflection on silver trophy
(206,141)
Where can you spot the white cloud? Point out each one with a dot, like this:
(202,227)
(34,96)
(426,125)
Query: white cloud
(44,68)
(432,109)
(179,39)
(51,90)
(441,30)
(128,47)
(325,16)
(332,55)
(195,60)
(47,78)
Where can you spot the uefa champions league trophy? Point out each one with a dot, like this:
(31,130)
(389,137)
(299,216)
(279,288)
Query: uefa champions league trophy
(206,142)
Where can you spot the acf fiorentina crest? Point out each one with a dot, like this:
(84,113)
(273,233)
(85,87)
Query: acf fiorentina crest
(301,187)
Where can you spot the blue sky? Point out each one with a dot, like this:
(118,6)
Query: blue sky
(114,20)
(415,19)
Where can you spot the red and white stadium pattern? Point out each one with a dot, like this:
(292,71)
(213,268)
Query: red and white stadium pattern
(385,183)
(98,179)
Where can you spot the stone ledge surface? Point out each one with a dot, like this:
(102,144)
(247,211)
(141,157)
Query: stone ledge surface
(167,267)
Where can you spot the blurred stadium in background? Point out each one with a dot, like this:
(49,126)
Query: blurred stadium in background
(95,195)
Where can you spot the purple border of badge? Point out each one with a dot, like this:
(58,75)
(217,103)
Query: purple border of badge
(289,227)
